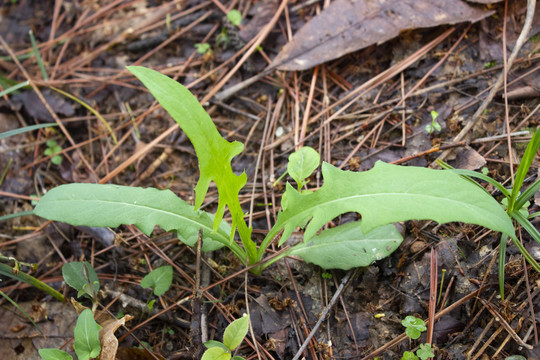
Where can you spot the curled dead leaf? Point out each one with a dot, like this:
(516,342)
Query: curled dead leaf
(109,342)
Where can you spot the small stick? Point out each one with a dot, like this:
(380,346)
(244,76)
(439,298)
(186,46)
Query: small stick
(351,274)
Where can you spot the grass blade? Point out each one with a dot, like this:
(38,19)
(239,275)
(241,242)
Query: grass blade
(523,168)
(30,280)
(502,262)
(527,194)
(13,88)
(530,228)
(38,56)
(21,310)
(24,129)
(91,109)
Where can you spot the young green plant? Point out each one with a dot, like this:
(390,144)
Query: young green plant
(383,195)
(232,338)
(82,277)
(414,327)
(434,123)
(160,280)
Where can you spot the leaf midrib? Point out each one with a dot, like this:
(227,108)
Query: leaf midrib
(141,207)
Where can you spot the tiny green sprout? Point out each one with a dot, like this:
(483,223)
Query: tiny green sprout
(168,21)
(82,277)
(223,39)
(53,149)
(484,171)
(409,355)
(413,327)
(490,64)
(235,17)
(434,124)
(326,275)
(202,48)
(425,352)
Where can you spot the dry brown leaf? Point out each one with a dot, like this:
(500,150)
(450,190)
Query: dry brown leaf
(349,25)
(109,342)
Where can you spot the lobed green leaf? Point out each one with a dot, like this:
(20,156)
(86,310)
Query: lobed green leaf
(213,151)
(387,194)
(114,205)
(346,246)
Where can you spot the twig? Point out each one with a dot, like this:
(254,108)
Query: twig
(351,274)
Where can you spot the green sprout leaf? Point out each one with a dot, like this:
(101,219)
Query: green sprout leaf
(82,277)
(236,331)
(216,353)
(413,327)
(302,163)
(425,352)
(54,354)
(57,159)
(86,334)
(213,151)
(235,17)
(387,194)
(202,48)
(159,279)
(408,355)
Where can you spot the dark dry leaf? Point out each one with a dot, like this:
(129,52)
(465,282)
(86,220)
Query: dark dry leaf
(349,25)
(35,108)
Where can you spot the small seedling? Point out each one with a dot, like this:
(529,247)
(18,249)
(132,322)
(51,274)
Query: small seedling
(232,338)
(434,123)
(223,40)
(425,352)
(490,64)
(235,17)
(413,327)
(86,345)
(54,150)
(203,48)
(82,277)
(160,280)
